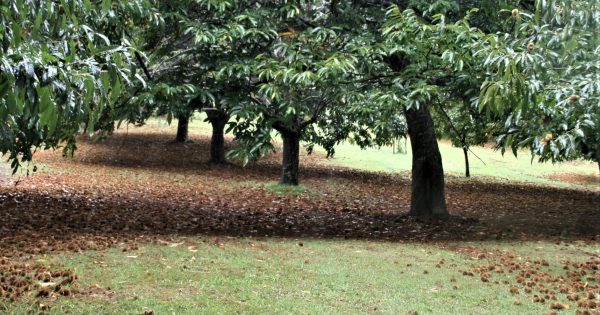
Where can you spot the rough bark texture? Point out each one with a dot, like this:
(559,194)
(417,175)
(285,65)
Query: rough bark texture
(427,198)
(467,167)
(218,119)
(183,122)
(291,158)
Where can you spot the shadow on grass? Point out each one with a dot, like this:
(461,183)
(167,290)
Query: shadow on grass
(157,152)
(51,212)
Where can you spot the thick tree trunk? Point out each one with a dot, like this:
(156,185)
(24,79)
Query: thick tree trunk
(467,167)
(291,158)
(183,122)
(218,119)
(427,198)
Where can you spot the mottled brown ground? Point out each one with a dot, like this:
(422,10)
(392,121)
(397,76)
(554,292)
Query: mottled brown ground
(139,186)
(140,183)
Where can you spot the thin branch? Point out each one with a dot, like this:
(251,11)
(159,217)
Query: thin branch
(139,58)
(143,64)
(185,51)
(462,140)
(315,115)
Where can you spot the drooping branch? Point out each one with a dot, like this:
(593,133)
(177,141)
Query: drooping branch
(139,58)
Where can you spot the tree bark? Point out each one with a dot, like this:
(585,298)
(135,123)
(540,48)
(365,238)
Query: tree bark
(183,121)
(218,119)
(467,168)
(428,199)
(291,158)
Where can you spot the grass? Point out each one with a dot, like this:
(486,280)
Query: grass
(284,276)
(486,163)
(279,189)
(492,164)
(6,172)
(287,189)
(210,275)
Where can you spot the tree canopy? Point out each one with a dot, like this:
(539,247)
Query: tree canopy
(321,72)
(61,64)
(543,71)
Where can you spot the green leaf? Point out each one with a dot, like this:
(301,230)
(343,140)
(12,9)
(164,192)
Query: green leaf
(116,90)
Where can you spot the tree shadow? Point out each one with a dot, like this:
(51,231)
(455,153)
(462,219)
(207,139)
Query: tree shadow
(158,152)
(36,216)
(52,211)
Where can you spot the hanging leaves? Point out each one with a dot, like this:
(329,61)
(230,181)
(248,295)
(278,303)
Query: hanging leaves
(61,64)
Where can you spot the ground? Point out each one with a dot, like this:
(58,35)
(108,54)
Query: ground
(136,224)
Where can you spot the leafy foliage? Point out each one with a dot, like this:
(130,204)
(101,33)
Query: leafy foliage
(333,70)
(202,55)
(544,74)
(302,87)
(62,63)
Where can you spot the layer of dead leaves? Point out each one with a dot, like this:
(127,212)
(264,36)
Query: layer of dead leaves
(140,187)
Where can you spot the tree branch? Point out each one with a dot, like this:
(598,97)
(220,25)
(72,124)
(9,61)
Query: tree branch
(143,65)
(459,134)
(315,115)
(140,59)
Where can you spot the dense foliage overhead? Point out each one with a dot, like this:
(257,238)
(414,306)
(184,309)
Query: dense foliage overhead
(61,64)
(324,71)
(197,43)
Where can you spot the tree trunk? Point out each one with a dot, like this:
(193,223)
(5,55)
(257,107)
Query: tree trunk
(467,168)
(291,158)
(218,119)
(427,198)
(598,157)
(183,122)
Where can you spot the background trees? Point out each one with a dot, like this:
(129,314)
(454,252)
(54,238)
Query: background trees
(301,85)
(317,72)
(210,46)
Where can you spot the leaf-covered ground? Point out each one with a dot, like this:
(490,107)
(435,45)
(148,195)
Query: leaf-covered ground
(138,188)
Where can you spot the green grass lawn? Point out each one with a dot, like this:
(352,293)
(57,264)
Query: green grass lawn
(280,276)
(226,275)
(497,166)
(5,171)
(489,163)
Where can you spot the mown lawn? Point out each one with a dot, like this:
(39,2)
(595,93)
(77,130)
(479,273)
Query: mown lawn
(486,162)
(507,167)
(321,248)
(282,276)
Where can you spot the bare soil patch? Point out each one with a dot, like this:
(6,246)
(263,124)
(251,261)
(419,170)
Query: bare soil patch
(577,178)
